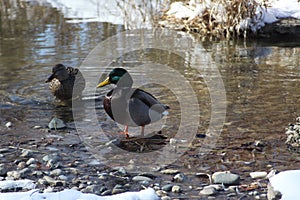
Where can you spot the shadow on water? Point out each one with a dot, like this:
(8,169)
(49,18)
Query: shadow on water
(261,81)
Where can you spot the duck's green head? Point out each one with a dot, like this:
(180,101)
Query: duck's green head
(118,76)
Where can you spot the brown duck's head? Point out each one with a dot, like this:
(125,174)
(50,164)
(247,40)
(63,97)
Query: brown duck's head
(59,72)
(118,76)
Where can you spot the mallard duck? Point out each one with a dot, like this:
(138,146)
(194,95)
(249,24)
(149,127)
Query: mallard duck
(130,106)
(66,82)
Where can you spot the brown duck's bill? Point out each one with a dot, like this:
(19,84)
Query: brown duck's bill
(49,79)
(103,83)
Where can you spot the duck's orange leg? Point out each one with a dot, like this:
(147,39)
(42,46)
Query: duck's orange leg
(126,131)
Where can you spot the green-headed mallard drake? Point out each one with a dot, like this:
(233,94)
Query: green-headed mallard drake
(66,82)
(130,106)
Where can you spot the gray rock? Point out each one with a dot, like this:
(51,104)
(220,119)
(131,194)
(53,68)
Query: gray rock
(95,189)
(56,123)
(31,161)
(63,177)
(176,189)
(166,198)
(53,156)
(106,192)
(141,178)
(273,194)
(25,172)
(169,171)
(14,174)
(26,153)
(21,165)
(56,172)
(179,177)
(208,190)
(167,187)
(225,178)
(3,170)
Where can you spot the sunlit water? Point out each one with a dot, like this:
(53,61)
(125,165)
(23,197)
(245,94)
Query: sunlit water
(261,81)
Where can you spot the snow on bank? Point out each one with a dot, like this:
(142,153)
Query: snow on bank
(147,194)
(276,9)
(287,182)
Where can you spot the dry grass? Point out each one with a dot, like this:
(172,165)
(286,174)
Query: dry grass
(221,19)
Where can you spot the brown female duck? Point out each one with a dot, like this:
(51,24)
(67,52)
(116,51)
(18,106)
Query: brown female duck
(130,106)
(66,82)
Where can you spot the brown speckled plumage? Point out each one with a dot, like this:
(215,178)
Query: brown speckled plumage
(66,82)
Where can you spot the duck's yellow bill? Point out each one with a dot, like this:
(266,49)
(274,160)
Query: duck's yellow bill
(103,83)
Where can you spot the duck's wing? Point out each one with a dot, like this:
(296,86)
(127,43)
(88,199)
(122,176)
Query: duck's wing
(149,100)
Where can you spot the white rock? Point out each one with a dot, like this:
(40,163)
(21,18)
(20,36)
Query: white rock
(8,124)
(258,174)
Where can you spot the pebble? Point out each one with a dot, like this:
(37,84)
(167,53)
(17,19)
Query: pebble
(14,174)
(106,192)
(208,190)
(169,171)
(95,189)
(21,165)
(8,124)
(179,177)
(56,123)
(24,172)
(255,175)
(56,172)
(160,193)
(166,198)
(141,178)
(26,153)
(3,170)
(30,161)
(167,187)
(176,189)
(63,177)
(225,178)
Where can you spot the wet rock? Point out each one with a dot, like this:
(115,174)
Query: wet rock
(36,127)
(49,180)
(141,178)
(273,194)
(106,192)
(56,123)
(169,171)
(56,172)
(95,189)
(24,172)
(176,189)
(52,182)
(26,153)
(103,176)
(255,175)
(31,161)
(147,175)
(208,190)
(225,178)
(167,187)
(118,189)
(8,124)
(54,157)
(21,165)
(63,177)
(166,198)
(179,177)
(14,174)
(3,170)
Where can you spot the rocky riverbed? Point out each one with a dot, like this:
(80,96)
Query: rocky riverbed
(56,160)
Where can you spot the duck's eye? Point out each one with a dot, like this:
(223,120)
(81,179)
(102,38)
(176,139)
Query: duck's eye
(115,79)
